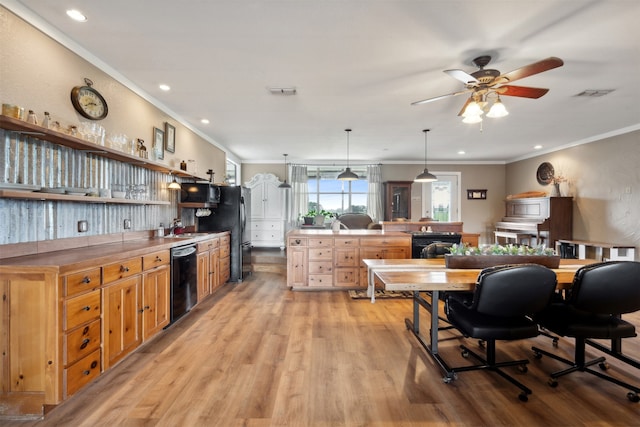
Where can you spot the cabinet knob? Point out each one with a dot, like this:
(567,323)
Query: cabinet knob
(298,241)
(87,372)
(86,308)
(124,269)
(158,259)
(146,307)
(86,279)
(84,343)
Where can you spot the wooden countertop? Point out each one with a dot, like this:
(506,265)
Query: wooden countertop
(67,260)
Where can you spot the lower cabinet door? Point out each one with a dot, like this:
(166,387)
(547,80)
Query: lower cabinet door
(122,308)
(155,301)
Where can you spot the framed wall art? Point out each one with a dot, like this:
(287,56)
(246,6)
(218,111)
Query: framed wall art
(158,143)
(476,194)
(170,137)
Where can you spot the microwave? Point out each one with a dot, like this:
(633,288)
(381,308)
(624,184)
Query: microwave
(199,192)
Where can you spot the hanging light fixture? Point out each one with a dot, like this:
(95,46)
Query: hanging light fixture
(497,109)
(174,185)
(285,184)
(425,176)
(347,175)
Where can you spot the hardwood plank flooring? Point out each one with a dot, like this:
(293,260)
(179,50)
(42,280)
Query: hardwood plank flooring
(257,354)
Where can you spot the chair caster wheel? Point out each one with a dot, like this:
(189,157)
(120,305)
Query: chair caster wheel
(447,380)
(555,342)
(633,396)
(537,355)
(523,368)
(603,365)
(464,353)
(481,343)
(523,397)
(552,382)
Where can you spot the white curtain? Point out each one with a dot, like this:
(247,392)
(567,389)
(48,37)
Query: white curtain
(299,193)
(374,194)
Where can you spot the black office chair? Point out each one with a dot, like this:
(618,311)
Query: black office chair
(591,310)
(500,308)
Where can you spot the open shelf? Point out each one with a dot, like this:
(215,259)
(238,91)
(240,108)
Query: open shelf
(34,195)
(60,138)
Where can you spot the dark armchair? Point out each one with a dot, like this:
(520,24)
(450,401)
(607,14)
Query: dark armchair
(591,310)
(357,221)
(500,308)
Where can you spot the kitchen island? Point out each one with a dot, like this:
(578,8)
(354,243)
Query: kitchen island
(325,259)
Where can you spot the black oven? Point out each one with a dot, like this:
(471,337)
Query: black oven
(422,239)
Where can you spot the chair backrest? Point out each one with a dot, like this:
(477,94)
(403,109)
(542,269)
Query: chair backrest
(607,288)
(355,220)
(514,290)
(436,250)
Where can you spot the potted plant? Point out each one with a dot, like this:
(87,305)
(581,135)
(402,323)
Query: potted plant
(317,217)
(465,256)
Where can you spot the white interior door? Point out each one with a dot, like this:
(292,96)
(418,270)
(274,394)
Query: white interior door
(441,199)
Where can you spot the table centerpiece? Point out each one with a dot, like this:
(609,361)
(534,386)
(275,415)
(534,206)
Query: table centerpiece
(464,256)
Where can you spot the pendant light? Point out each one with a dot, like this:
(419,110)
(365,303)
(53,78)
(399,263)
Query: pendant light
(347,175)
(425,176)
(285,184)
(174,185)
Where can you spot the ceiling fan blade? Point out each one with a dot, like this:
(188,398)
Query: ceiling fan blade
(424,101)
(531,69)
(463,76)
(522,91)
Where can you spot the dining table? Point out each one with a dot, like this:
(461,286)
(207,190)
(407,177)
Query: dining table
(431,276)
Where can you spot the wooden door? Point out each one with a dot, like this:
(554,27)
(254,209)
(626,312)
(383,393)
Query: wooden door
(155,301)
(121,319)
(203,275)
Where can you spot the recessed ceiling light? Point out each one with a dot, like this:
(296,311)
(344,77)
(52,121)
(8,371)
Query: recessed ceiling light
(537,147)
(165,87)
(204,121)
(462,152)
(76,15)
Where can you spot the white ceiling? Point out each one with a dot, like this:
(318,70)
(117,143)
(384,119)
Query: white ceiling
(360,63)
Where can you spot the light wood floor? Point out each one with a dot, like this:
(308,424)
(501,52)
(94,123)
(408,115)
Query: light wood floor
(257,354)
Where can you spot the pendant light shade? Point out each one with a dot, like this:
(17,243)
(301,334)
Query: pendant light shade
(347,175)
(425,176)
(174,185)
(285,184)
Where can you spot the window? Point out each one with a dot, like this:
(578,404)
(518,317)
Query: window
(231,175)
(328,193)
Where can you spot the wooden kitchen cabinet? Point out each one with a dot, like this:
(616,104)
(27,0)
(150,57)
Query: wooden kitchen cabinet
(208,261)
(397,200)
(224,264)
(122,306)
(156,282)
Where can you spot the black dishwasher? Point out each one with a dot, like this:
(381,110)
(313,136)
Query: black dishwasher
(184,280)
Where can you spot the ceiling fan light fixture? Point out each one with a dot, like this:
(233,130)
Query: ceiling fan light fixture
(347,175)
(497,110)
(425,176)
(472,119)
(473,109)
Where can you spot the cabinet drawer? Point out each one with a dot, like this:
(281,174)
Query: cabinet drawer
(266,225)
(80,374)
(81,342)
(320,280)
(320,267)
(120,270)
(342,242)
(81,282)
(321,254)
(387,241)
(225,240)
(297,241)
(155,259)
(372,253)
(81,309)
(208,245)
(225,250)
(325,242)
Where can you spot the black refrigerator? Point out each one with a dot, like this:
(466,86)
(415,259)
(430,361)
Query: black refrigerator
(233,214)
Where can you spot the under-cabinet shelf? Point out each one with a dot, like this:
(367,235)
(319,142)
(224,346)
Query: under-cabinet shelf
(60,138)
(32,195)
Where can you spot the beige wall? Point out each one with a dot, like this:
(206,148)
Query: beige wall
(38,73)
(604,179)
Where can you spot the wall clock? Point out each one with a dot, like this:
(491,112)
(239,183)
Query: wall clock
(89,102)
(544,174)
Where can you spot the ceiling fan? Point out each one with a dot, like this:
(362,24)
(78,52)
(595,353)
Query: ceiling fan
(487,83)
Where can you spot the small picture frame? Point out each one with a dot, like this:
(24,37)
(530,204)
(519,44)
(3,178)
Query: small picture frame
(158,143)
(170,137)
(476,194)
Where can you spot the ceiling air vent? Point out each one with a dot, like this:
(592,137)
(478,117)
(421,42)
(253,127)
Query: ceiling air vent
(282,90)
(595,92)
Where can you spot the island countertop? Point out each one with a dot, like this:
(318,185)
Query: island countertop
(347,233)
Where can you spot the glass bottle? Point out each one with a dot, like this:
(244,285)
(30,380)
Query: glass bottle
(183,165)
(46,122)
(32,118)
